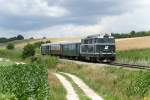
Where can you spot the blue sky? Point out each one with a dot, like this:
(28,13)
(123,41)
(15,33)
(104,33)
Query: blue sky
(57,18)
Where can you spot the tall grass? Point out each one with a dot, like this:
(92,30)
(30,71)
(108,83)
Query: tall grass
(24,82)
(134,56)
(111,83)
(46,60)
(11,54)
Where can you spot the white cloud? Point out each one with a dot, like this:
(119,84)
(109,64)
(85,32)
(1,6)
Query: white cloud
(135,20)
(73,17)
(31,7)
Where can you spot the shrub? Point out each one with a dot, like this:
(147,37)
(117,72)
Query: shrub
(49,61)
(28,51)
(10,46)
(26,82)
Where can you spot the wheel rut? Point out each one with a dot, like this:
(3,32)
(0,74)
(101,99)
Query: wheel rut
(71,94)
(86,89)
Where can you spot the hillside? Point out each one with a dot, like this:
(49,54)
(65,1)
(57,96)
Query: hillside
(22,43)
(121,44)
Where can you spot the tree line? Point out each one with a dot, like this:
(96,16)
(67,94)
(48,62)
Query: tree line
(19,37)
(131,34)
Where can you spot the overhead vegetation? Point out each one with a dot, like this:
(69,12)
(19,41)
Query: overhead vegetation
(4,40)
(10,46)
(131,34)
(24,82)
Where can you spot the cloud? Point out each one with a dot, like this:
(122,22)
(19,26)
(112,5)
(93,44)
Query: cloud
(72,17)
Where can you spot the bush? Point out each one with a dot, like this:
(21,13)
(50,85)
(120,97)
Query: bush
(49,61)
(10,46)
(28,51)
(26,82)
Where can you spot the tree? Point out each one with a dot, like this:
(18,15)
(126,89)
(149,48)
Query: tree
(48,41)
(20,37)
(132,33)
(10,46)
(28,51)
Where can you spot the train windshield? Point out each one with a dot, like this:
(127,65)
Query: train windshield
(105,40)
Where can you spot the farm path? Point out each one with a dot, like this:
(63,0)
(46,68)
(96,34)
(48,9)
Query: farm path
(86,89)
(71,94)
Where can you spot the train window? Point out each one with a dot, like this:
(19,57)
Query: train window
(100,40)
(90,48)
(84,48)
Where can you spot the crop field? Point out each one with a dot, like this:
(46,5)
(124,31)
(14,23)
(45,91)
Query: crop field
(24,82)
(133,43)
(112,83)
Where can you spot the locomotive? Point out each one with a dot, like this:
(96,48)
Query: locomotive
(99,48)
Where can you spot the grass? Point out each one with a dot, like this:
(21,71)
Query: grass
(111,83)
(5,62)
(11,54)
(24,82)
(57,91)
(79,92)
(134,56)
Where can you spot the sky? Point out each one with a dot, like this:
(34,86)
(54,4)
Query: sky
(60,18)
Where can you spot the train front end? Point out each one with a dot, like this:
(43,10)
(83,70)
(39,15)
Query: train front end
(105,48)
(99,48)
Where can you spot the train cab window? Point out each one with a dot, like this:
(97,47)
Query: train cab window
(100,40)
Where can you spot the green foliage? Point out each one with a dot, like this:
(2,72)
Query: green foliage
(38,44)
(140,85)
(131,34)
(8,97)
(28,51)
(49,61)
(12,54)
(24,81)
(134,56)
(19,37)
(4,40)
(10,46)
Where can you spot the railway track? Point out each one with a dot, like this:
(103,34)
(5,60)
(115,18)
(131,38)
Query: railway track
(136,66)
(131,65)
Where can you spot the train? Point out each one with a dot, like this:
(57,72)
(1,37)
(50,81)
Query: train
(95,48)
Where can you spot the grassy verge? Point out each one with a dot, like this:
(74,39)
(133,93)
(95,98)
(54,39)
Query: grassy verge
(79,92)
(11,54)
(112,83)
(24,82)
(57,92)
(134,56)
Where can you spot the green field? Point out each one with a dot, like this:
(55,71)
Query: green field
(134,56)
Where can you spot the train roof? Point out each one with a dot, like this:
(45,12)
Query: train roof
(61,42)
(100,36)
